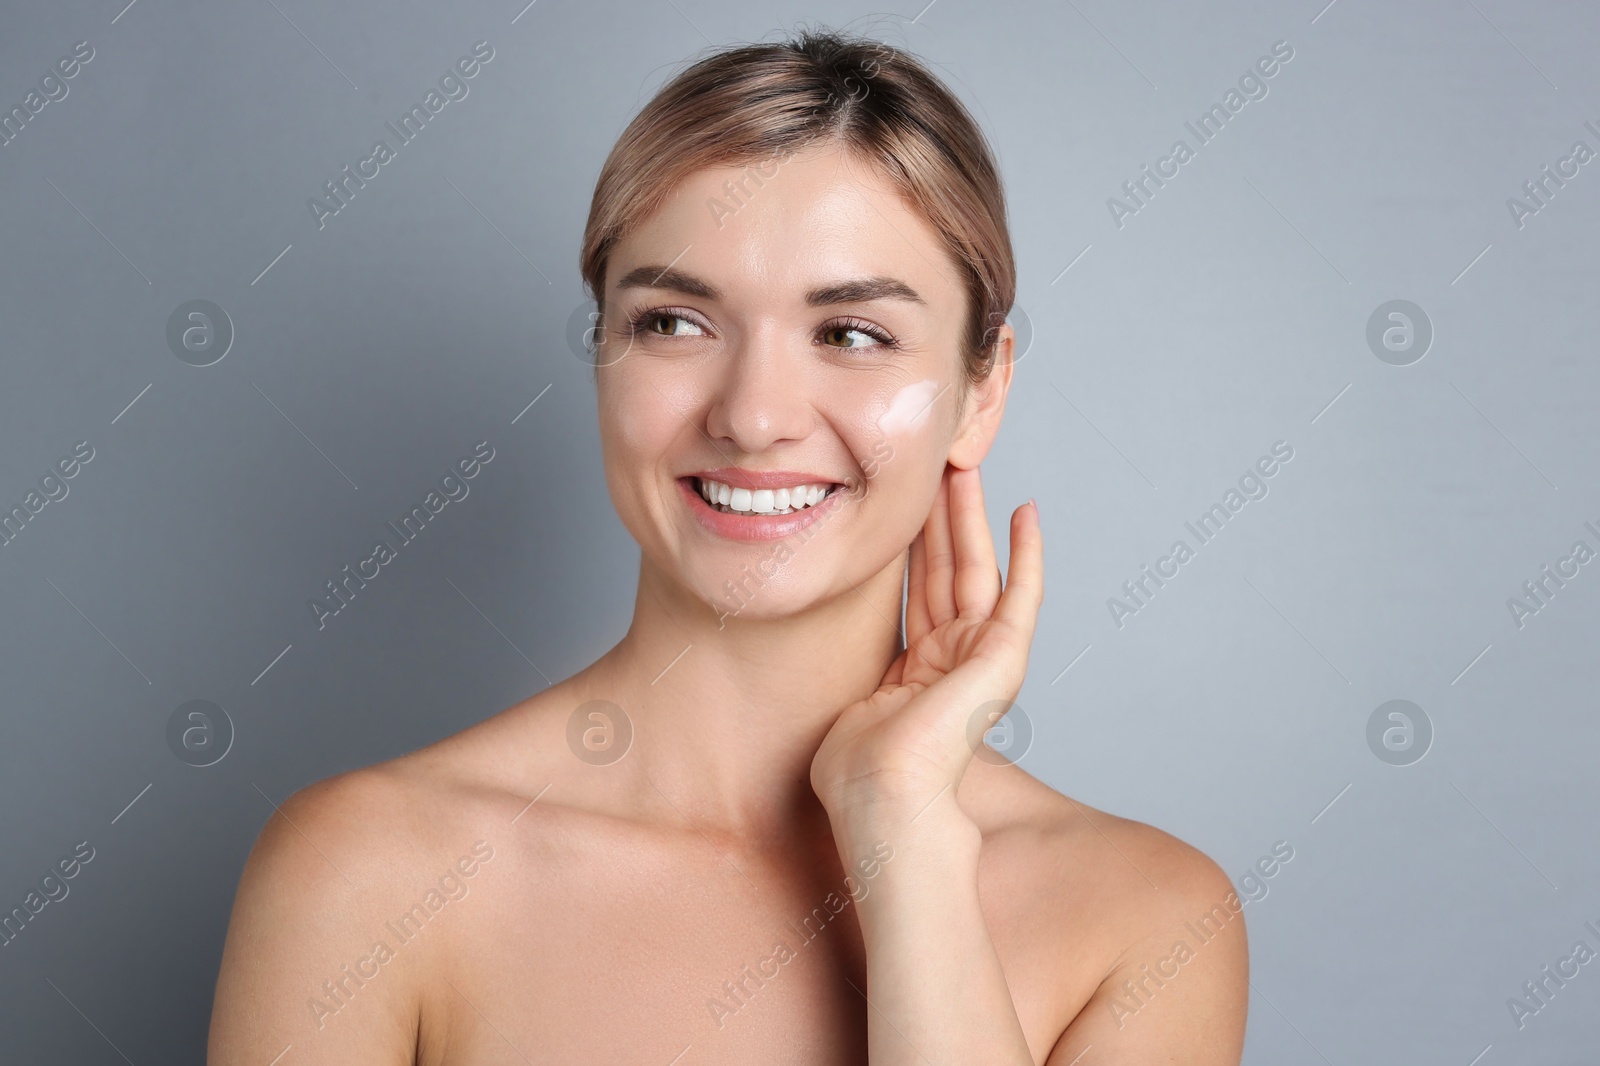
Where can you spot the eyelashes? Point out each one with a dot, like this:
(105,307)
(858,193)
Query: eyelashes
(856,325)
(649,316)
(639,325)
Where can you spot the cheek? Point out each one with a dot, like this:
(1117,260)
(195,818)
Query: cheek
(641,415)
(900,438)
(898,428)
(909,412)
(639,427)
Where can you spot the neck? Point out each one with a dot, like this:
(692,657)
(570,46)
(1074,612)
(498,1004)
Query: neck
(728,710)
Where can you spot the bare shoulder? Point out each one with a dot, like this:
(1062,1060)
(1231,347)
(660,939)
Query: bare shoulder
(359,826)
(1108,912)
(309,959)
(374,825)
(1044,833)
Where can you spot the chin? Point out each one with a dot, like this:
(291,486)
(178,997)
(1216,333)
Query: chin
(770,586)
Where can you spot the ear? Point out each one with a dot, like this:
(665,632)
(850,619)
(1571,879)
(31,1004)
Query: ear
(986,403)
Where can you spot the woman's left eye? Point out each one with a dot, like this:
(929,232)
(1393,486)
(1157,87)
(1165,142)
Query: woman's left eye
(843,331)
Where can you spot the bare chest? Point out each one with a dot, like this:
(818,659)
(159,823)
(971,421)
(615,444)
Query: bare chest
(717,960)
(692,964)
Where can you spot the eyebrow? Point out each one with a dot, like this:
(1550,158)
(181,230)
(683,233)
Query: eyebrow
(850,290)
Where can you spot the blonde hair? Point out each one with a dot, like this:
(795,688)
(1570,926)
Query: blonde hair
(761,103)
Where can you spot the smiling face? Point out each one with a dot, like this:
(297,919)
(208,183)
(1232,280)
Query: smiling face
(805,343)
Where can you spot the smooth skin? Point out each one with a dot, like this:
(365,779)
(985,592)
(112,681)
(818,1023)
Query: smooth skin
(798,859)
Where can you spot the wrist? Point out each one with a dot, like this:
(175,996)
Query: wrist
(917,875)
(936,835)
(889,800)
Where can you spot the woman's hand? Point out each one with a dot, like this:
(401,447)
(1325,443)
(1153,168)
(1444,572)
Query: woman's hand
(966,646)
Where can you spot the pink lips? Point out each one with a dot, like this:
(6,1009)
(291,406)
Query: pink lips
(755,527)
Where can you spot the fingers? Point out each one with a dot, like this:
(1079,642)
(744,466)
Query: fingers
(918,623)
(1024,591)
(977,576)
(897,671)
(939,557)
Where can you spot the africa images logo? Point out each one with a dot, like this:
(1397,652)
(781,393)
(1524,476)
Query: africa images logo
(452,86)
(1252,86)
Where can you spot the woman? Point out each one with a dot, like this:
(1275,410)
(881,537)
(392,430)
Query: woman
(755,829)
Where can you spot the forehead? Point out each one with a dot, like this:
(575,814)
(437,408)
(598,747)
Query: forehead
(820,215)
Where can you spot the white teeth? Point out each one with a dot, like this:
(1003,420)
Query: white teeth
(762,501)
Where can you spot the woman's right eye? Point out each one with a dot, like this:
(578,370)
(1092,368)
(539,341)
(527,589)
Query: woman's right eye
(664,324)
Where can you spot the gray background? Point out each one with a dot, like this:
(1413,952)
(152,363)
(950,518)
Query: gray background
(1229,313)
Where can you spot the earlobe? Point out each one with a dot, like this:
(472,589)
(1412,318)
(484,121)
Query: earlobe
(988,407)
(967,451)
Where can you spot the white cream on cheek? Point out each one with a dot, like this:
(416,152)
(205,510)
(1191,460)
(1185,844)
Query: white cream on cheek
(909,410)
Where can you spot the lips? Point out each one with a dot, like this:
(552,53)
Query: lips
(774,525)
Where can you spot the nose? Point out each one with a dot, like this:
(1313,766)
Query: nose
(763,394)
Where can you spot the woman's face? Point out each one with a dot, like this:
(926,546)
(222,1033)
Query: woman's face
(770,336)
